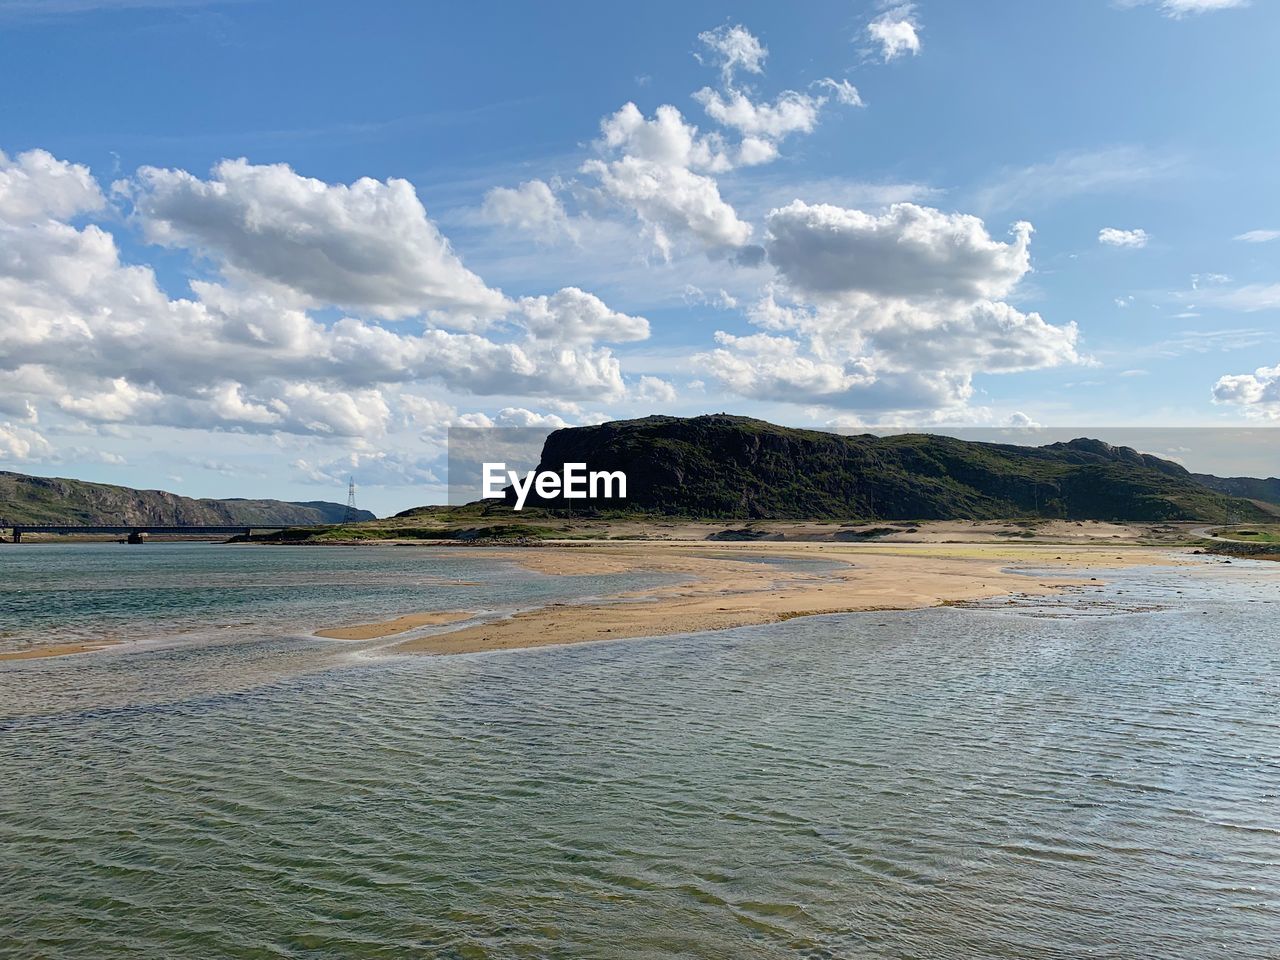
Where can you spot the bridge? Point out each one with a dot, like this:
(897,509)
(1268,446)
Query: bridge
(138,532)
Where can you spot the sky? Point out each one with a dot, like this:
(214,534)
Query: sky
(255,248)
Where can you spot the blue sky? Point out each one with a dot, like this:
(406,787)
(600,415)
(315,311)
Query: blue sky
(810,214)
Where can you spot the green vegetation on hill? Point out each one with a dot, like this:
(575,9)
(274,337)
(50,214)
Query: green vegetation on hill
(722,467)
(26,499)
(1250,488)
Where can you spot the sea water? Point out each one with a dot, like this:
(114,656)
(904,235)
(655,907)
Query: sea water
(1043,779)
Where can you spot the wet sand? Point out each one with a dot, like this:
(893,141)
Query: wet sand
(389,628)
(726,586)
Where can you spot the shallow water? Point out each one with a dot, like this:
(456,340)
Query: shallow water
(998,781)
(59,593)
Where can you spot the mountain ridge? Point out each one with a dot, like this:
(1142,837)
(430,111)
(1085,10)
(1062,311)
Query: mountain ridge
(30,499)
(1250,488)
(721,466)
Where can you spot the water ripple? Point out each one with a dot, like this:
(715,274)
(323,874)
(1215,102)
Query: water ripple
(938,784)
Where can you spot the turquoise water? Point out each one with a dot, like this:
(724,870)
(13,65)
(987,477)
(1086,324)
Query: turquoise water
(195,591)
(1034,781)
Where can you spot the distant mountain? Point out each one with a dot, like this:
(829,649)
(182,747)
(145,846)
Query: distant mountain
(728,467)
(26,499)
(1247,487)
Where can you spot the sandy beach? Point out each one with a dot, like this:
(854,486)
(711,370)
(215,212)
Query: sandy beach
(726,585)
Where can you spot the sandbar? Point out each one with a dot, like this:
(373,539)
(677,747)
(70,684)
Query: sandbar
(727,585)
(389,628)
(56,650)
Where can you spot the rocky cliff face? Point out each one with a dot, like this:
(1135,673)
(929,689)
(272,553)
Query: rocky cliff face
(27,499)
(727,467)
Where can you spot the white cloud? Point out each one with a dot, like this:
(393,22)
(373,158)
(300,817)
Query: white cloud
(721,299)
(574,316)
(1257,393)
(663,168)
(844,91)
(654,390)
(367,246)
(99,341)
(734,48)
(908,251)
(666,140)
(655,175)
(886,312)
(1259,236)
(522,417)
(767,367)
(532,207)
(1177,9)
(36,186)
(22,443)
(792,112)
(896,31)
(1115,237)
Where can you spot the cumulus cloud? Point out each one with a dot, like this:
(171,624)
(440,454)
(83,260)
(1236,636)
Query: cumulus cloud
(908,251)
(655,171)
(792,112)
(367,246)
(532,207)
(762,124)
(36,185)
(1257,393)
(1115,237)
(896,32)
(522,417)
(575,316)
(97,339)
(766,367)
(663,168)
(734,48)
(894,311)
(654,390)
(22,443)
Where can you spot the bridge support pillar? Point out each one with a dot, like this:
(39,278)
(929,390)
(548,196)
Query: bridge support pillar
(17,536)
(138,536)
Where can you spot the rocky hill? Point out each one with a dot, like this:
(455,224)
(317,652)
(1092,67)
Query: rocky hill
(1249,488)
(725,466)
(27,499)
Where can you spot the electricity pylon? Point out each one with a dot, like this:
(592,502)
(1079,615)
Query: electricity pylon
(350,515)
